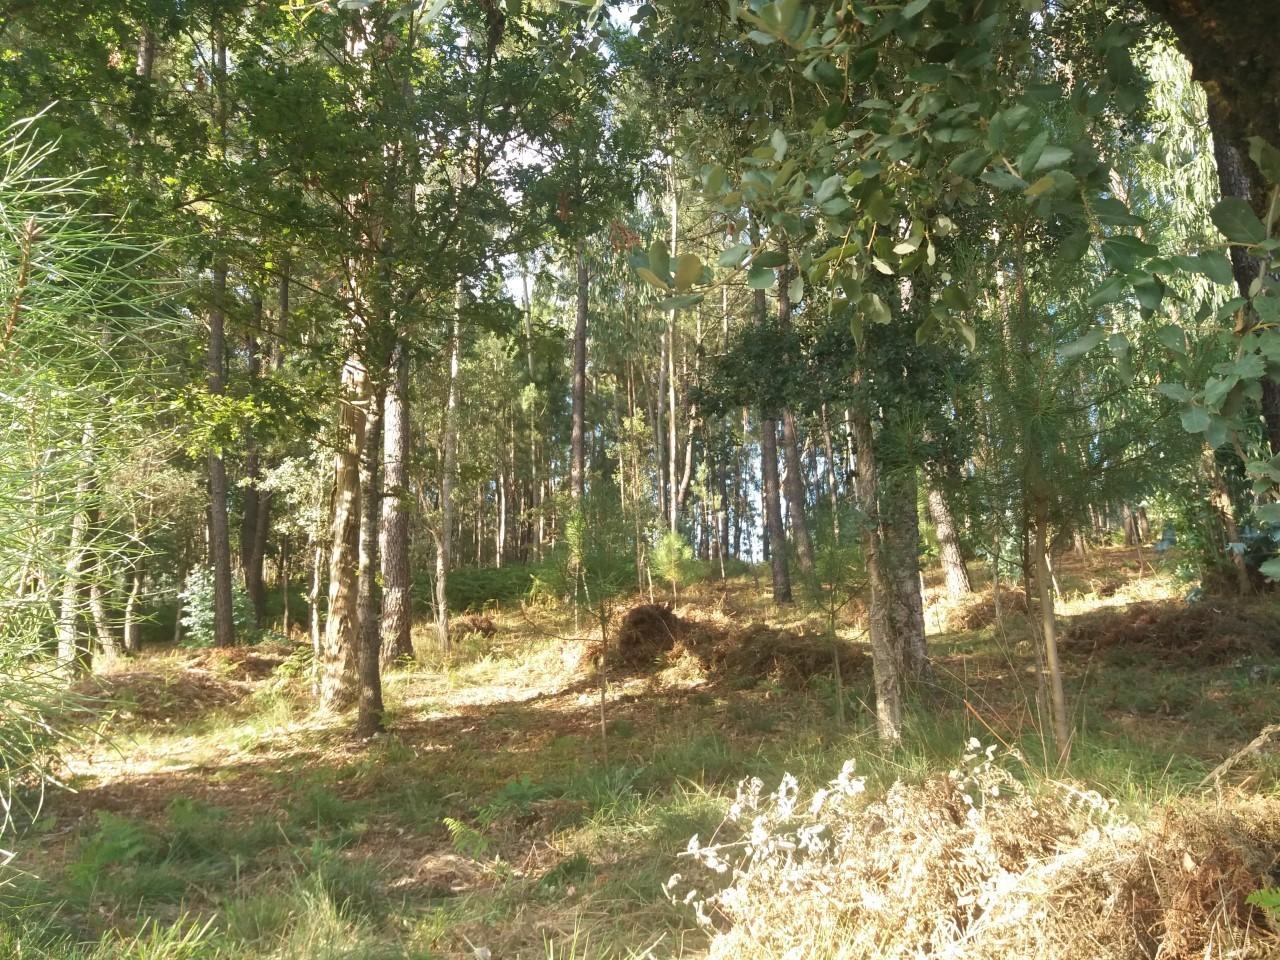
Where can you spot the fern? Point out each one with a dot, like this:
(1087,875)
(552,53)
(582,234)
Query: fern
(468,841)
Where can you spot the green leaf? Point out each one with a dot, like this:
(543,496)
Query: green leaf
(1266,157)
(1216,267)
(734,256)
(651,278)
(1268,513)
(1176,391)
(795,289)
(882,266)
(914,9)
(968,333)
(1110,290)
(1237,221)
(680,302)
(1003,180)
(769,258)
(828,188)
(688,270)
(762,38)
(969,163)
(1271,570)
(1052,157)
(1195,419)
(760,278)
(875,309)
(1083,345)
(1216,390)
(778,140)
(660,261)
(1171,336)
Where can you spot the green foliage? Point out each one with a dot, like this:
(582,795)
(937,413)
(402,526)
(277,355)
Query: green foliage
(673,558)
(197,598)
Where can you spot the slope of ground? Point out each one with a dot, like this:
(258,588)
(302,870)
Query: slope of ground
(529,802)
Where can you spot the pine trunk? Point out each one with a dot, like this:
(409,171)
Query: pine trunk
(577,461)
(338,650)
(884,656)
(397,598)
(953,565)
(370,710)
(444,542)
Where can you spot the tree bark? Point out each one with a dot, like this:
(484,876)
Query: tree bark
(341,640)
(794,478)
(900,549)
(577,475)
(777,534)
(397,599)
(444,542)
(370,711)
(1057,695)
(254,525)
(884,656)
(953,565)
(219,526)
(72,655)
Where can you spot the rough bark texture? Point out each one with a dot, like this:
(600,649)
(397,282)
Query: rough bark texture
(219,525)
(884,657)
(72,655)
(338,649)
(794,479)
(577,462)
(1048,625)
(369,715)
(953,565)
(900,550)
(254,524)
(444,543)
(397,600)
(777,542)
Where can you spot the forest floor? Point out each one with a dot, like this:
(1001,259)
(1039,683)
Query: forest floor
(512,812)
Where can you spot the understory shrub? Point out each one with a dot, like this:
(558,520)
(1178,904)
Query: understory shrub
(197,608)
(974,864)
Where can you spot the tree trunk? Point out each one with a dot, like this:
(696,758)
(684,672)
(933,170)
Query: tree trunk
(900,550)
(129,630)
(219,525)
(884,657)
(370,711)
(1058,697)
(341,640)
(444,542)
(953,565)
(794,478)
(253,527)
(576,455)
(72,655)
(397,599)
(777,542)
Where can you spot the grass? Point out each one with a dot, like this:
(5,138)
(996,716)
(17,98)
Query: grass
(493,815)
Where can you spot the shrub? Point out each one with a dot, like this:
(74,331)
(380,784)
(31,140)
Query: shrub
(197,608)
(975,864)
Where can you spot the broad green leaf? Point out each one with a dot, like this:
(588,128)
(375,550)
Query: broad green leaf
(1175,391)
(1171,336)
(1083,345)
(660,261)
(1195,419)
(1237,221)
(688,270)
(828,188)
(651,278)
(875,309)
(769,258)
(1268,513)
(1051,157)
(778,141)
(734,256)
(1110,290)
(680,302)
(882,266)
(914,8)
(968,333)
(795,289)
(1216,390)
(969,163)
(1266,157)
(760,278)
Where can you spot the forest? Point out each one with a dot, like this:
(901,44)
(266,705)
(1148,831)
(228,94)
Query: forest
(585,480)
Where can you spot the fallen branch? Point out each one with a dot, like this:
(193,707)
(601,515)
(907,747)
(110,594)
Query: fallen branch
(1252,747)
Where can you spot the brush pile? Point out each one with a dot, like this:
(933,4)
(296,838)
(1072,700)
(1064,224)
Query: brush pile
(1206,632)
(975,865)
